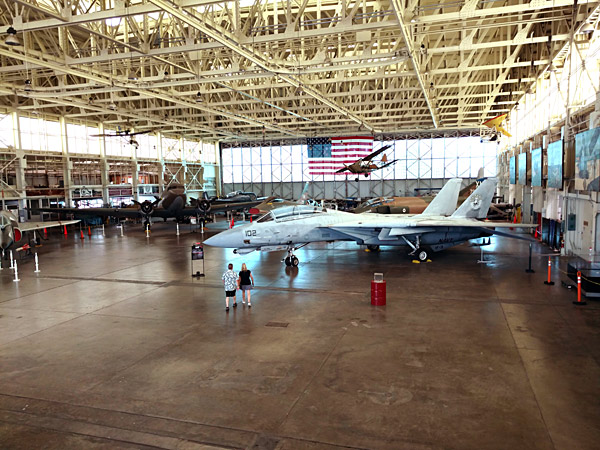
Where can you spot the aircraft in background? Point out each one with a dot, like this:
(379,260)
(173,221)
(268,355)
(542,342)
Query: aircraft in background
(235,196)
(294,227)
(171,205)
(365,165)
(496,124)
(411,205)
(11,231)
(271,203)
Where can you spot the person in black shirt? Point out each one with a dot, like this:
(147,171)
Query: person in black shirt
(245,283)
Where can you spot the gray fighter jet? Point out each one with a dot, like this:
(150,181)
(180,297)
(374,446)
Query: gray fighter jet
(11,231)
(435,229)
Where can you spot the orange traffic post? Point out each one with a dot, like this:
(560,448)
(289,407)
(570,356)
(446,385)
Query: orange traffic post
(81,231)
(89,230)
(65,230)
(579,302)
(45,233)
(549,282)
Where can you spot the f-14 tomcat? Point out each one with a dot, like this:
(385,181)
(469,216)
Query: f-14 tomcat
(439,227)
(11,231)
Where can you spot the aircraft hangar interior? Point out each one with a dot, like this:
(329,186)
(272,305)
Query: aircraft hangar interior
(299,224)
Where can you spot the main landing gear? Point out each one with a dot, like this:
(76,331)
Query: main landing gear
(420,253)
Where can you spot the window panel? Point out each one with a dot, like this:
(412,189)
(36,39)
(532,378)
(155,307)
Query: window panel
(6,131)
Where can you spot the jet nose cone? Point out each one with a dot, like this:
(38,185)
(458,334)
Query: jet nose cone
(218,240)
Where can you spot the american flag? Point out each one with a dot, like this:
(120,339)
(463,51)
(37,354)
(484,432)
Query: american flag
(326,155)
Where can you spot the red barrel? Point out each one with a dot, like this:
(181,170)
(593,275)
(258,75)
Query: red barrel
(378,293)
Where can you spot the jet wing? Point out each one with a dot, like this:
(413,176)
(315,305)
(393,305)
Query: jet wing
(99,212)
(32,226)
(375,153)
(392,229)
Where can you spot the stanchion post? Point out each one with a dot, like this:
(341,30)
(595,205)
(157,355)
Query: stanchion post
(121,230)
(37,265)
(529,270)
(12,261)
(16,273)
(549,282)
(1,259)
(177,228)
(103,230)
(147,230)
(579,301)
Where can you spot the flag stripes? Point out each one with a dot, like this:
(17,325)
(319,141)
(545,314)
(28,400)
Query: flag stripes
(326,156)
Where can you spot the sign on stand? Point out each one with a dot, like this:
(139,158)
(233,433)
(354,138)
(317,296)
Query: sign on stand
(197,254)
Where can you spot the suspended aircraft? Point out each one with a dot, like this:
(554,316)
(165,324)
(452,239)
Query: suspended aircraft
(365,165)
(496,124)
(11,231)
(294,227)
(172,204)
(126,132)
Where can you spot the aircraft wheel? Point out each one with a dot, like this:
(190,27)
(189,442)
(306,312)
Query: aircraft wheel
(373,248)
(422,255)
(288,261)
(295,261)
(356,179)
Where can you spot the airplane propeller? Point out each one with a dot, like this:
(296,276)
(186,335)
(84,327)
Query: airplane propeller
(203,206)
(147,207)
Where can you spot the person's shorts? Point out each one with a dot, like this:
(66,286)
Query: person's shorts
(246,287)
(230,293)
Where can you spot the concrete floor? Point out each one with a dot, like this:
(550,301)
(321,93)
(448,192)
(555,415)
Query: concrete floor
(113,345)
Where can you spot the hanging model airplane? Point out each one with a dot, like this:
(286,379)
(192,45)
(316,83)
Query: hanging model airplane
(496,124)
(124,133)
(294,227)
(11,231)
(365,165)
(172,204)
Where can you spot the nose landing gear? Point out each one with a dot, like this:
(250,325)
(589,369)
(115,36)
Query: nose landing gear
(290,260)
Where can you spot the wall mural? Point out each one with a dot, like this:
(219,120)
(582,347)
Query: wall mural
(522,169)
(587,160)
(512,170)
(555,165)
(536,167)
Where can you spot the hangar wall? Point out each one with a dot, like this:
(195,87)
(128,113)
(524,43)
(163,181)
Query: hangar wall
(341,189)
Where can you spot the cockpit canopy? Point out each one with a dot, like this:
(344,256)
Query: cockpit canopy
(377,201)
(291,213)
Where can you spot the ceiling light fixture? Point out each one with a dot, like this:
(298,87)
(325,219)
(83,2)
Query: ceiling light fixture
(112,106)
(199,97)
(12,38)
(27,85)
